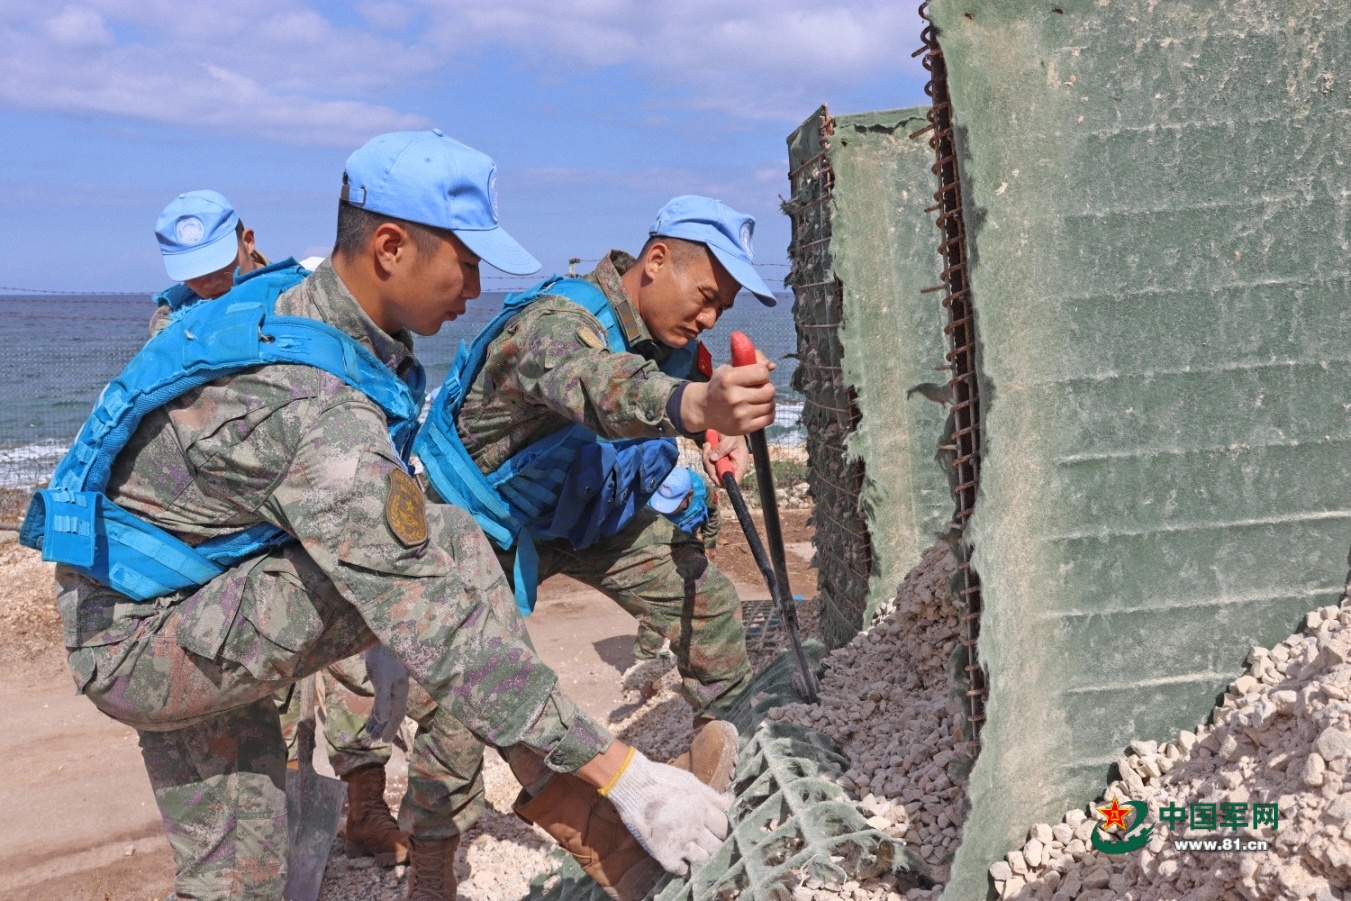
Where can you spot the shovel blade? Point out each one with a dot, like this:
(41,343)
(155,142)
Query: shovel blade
(313,807)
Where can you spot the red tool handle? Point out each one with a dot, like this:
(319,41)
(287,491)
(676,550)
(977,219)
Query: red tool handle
(743,349)
(724,465)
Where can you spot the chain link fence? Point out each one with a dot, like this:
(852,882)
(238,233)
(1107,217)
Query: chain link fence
(58,351)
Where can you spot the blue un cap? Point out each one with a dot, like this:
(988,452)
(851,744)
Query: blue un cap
(672,491)
(722,230)
(196,233)
(428,178)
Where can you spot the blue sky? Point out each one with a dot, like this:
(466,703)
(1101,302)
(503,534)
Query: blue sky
(597,111)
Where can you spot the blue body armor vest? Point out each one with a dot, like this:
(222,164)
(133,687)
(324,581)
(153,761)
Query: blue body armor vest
(74,522)
(571,484)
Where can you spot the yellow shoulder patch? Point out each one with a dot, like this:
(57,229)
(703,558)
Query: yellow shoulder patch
(590,338)
(406,509)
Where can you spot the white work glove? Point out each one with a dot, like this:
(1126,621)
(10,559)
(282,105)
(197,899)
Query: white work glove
(675,817)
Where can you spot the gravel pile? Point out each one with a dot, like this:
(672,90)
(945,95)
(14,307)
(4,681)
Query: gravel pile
(30,625)
(501,854)
(1281,735)
(884,699)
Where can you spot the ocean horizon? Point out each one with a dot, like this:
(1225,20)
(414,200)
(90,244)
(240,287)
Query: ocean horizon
(58,351)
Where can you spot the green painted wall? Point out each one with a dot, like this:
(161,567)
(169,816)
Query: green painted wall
(1157,199)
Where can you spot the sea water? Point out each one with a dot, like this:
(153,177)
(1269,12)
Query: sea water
(58,351)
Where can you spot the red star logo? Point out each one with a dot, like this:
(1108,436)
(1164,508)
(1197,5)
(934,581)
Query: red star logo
(1116,815)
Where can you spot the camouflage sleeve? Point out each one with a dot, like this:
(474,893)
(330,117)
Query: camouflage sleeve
(711,528)
(561,362)
(159,319)
(427,583)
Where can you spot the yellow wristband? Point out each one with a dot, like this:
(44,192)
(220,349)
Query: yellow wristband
(609,786)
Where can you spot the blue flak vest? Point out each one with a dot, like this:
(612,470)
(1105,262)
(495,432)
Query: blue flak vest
(571,484)
(179,298)
(74,522)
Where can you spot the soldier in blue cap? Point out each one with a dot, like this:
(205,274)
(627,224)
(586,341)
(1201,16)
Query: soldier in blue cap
(238,512)
(206,247)
(554,428)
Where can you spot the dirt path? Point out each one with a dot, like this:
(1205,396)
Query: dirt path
(80,821)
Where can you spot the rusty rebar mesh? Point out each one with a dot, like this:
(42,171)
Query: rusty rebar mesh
(961,445)
(830,412)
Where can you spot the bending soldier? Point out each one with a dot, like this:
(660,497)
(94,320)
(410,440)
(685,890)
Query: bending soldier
(545,426)
(206,248)
(237,514)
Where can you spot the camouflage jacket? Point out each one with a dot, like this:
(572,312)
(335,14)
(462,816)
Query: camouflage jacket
(296,447)
(540,375)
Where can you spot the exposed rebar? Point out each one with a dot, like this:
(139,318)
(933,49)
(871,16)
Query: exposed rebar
(960,330)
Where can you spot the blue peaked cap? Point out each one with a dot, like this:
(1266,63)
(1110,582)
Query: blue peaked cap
(428,178)
(673,491)
(196,233)
(724,231)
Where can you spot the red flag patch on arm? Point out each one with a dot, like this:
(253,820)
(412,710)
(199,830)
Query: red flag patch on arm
(704,361)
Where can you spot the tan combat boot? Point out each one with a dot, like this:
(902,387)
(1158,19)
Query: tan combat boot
(589,828)
(371,830)
(431,876)
(712,754)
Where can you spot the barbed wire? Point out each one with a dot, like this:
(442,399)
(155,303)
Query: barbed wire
(516,280)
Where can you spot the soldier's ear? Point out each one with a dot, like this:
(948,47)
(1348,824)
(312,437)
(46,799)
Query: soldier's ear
(391,247)
(657,258)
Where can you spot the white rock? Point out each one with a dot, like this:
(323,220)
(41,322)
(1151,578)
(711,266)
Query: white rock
(1334,744)
(1312,772)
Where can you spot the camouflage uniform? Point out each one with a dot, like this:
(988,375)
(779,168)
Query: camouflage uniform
(345,687)
(544,372)
(195,672)
(650,642)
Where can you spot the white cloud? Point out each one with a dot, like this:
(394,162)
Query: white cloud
(764,59)
(272,70)
(304,72)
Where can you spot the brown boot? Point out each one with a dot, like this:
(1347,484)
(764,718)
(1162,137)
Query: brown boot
(371,830)
(712,754)
(589,828)
(431,877)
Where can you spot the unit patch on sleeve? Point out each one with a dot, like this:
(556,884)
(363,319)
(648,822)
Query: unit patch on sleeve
(406,510)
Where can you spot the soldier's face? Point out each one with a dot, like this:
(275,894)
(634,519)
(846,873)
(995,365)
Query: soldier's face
(214,284)
(686,298)
(436,286)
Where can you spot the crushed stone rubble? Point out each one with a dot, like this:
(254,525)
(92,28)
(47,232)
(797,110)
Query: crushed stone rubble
(1281,735)
(885,700)
(30,625)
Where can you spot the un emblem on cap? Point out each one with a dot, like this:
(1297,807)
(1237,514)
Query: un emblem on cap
(189,231)
(746,238)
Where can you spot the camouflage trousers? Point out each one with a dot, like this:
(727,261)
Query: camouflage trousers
(346,697)
(208,725)
(661,575)
(445,770)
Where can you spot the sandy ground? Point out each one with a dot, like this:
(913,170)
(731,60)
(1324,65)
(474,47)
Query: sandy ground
(80,821)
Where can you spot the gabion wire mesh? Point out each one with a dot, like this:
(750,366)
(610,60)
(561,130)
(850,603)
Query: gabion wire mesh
(791,818)
(830,412)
